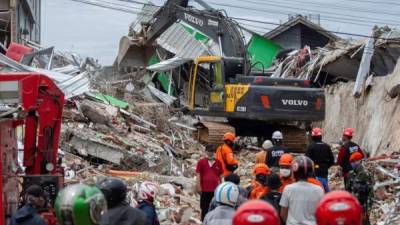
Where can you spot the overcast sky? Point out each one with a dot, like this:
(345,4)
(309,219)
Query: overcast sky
(94,31)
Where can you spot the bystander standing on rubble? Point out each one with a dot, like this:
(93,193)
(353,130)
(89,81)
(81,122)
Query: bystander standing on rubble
(258,187)
(226,195)
(360,183)
(262,155)
(209,173)
(225,154)
(299,200)
(119,212)
(274,154)
(348,147)
(321,154)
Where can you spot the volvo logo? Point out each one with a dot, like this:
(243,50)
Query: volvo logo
(295,102)
(194,20)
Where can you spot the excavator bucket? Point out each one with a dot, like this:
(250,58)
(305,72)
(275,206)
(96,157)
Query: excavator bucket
(132,53)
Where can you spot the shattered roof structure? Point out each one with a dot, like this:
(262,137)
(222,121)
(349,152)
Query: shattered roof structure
(300,20)
(299,32)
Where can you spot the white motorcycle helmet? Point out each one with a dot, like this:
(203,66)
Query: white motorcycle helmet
(148,191)
(227,193)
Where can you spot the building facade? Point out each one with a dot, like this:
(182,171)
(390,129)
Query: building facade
(20,21)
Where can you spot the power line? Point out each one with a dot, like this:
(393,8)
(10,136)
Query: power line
(335,32)
(331,6)
(236,18)
(374,2)
(106,6)
(347,20)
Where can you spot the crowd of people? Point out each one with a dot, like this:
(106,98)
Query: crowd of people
(293,186)
(285,189)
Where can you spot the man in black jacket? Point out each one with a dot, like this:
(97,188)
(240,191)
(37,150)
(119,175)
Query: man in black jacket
(119,212)
(322,155)
(275,153)
(28,214)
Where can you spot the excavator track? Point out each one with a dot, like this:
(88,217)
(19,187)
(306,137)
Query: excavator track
(295,139)
(212,132)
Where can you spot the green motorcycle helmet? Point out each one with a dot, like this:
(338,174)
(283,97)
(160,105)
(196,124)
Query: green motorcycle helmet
(80,204)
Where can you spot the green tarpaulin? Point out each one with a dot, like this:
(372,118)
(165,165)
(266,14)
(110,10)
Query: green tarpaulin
(112,101)
(163,78)
(262,50)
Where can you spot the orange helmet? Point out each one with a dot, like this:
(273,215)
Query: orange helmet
(356,156)
(348,132)
(261,168)
(286,160)
(256,212)
(339,207)
(229,137)
(316,132)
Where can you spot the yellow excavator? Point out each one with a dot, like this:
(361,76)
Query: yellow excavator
(224,86)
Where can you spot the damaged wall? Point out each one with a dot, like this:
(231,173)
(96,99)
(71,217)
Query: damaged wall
(374,116)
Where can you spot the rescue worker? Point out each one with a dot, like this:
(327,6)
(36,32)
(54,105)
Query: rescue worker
(348,147)
(147,193)
(286,174)
(258,187)
(299,200)
(208,171)
(119,212)
(276,151)
(321,154)
(225,154)
(80,204)
(262,155)
(360,184)
(285,171)
(255,212)
(226,195)
(338,208)
(28,214)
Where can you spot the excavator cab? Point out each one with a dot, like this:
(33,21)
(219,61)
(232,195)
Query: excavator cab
(206,90)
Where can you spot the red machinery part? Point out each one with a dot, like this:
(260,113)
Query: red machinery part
(43,102)
(42,105)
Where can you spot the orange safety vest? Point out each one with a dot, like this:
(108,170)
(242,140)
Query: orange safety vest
(261,156)
(286,181)
(225,154)
(258,190)
(316,182)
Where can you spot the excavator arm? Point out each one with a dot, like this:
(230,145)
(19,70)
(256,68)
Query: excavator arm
(209,21)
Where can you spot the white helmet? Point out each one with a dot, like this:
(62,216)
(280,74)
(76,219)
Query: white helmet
(148,190)
(227,193)
(277,135)
(267,145)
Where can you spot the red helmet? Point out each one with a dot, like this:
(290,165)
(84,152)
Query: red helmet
(256,212)
(316,132)
(229,137)
(339,207)
(348,132)
(355,156)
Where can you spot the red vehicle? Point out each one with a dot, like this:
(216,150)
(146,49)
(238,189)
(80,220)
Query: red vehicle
(34,106)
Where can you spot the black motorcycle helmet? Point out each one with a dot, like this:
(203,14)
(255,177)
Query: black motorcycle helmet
(302,167)
(114,190)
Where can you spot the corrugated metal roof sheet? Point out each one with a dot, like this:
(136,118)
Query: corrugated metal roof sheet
(168,64)
(70,85)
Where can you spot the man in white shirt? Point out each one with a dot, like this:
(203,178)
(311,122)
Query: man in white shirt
(299,200)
